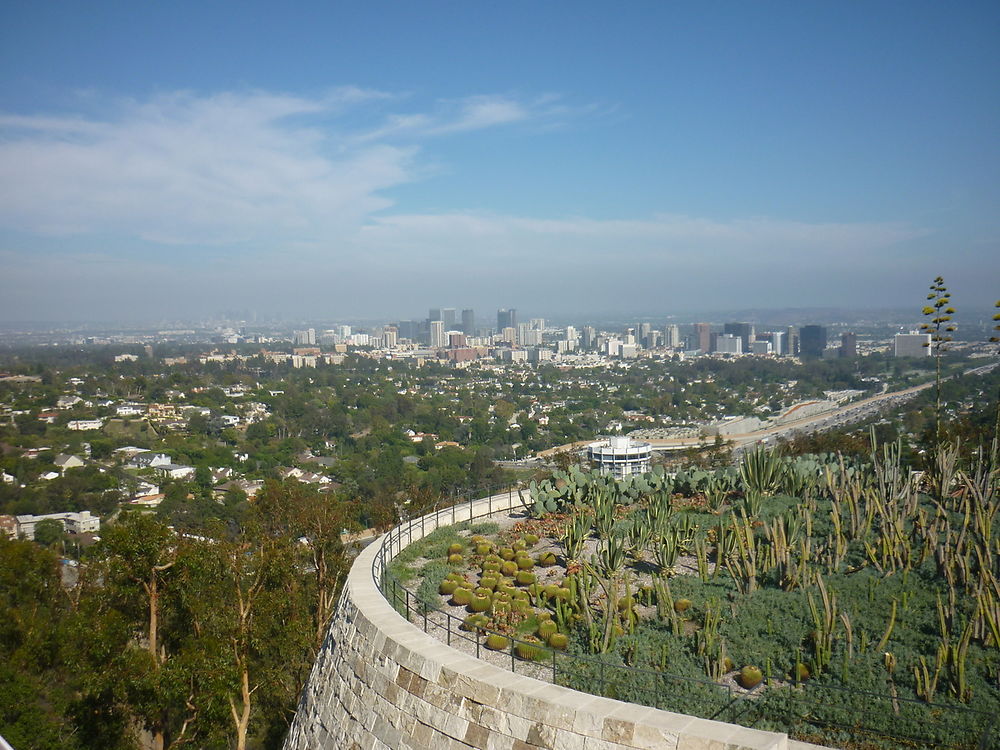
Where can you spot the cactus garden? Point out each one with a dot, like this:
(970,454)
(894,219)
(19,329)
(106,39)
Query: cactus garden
(848,602)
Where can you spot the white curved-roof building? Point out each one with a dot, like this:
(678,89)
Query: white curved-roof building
(620,456)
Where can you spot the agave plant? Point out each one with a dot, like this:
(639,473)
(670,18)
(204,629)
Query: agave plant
(762,471)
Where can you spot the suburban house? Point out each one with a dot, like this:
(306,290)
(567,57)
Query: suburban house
(84,424)
(175,471)
(72,523)
(63,462)
(149,460)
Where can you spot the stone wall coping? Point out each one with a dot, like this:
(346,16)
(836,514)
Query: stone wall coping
(604,719)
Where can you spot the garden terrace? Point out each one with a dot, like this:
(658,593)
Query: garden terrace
(381,681)
(834,601)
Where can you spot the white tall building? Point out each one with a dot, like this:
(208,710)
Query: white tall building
(671,336)
(912,345)
(437,334)
(306,337)
(728,343)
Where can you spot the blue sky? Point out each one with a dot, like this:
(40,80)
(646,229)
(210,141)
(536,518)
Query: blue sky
(172,160)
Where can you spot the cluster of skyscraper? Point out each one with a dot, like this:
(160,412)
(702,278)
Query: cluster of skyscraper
(809,341)
(444,328)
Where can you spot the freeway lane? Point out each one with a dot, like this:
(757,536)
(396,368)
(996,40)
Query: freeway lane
(826,420)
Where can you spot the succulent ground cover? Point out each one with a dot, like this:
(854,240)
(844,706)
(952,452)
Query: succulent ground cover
(853,603)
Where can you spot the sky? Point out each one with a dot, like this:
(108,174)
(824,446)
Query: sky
(318,159)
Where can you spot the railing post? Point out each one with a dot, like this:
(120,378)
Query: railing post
(447,620)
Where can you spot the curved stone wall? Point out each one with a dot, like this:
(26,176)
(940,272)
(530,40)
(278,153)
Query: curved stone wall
(380,682)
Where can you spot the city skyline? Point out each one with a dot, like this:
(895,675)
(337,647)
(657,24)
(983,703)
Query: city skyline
(154,164)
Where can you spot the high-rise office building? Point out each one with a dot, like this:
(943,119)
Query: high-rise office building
(744,330)
(436,334)
(571,334)
(792,345)
(448,316)
(703,332)
(434,314)
(812,341)
(671,336)
(912,345)
(779,342)
(728,343)
(848,344)
(409,329)
(306,337)
(469,322)
(389,338)
(528,335)
(589,337)
(506,318)
(642,334)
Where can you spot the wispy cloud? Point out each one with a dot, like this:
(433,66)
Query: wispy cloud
(228,168)
(451,116)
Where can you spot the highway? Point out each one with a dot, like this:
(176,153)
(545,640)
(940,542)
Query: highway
(830,420)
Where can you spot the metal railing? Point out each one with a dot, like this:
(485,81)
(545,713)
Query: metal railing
(650,687)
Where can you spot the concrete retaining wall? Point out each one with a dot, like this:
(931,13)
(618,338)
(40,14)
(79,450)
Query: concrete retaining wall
(380,682)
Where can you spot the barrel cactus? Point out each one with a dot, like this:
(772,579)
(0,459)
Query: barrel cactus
(497,642)
(750,677)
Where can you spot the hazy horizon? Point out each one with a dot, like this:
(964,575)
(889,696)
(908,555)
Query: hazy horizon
(168,162)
